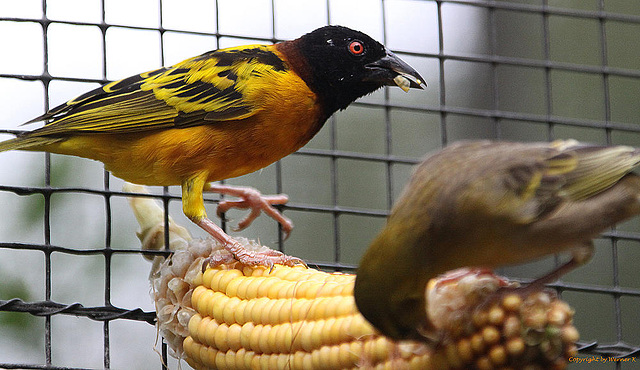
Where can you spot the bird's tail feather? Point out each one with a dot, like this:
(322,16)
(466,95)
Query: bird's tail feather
(27,143)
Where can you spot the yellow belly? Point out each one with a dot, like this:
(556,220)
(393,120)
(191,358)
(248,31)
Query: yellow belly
(222,149)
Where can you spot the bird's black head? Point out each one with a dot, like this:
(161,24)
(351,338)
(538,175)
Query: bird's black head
(341,65)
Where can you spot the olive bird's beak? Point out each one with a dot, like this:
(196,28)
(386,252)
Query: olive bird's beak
(392,70)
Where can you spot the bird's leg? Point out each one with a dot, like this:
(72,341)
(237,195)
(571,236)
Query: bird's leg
(580,255)
(266,258)
(193,208)
(253,199)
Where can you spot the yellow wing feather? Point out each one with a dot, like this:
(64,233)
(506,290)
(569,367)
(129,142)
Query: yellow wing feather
(204,89)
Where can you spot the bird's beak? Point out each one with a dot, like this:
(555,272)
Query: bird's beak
(392,70)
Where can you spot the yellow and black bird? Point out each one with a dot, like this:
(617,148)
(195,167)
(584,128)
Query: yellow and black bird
(488,204)
(219,115)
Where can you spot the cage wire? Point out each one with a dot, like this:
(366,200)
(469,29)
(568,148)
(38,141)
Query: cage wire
(516,70)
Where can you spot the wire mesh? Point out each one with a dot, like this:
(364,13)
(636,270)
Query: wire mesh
(517,70)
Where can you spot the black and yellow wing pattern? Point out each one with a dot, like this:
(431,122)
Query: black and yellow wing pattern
(207,88)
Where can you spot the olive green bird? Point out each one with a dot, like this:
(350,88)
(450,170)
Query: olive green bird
(489,204)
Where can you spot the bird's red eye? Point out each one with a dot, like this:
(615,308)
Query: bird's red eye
(356,47)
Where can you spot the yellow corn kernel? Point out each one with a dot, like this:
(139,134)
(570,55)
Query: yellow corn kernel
(220,301)
(230,309)
(264,286)
(245,334)
(284,338)
(515,347)
(253,288)
(498,355)
(464,350)
(280,289)
(243,286)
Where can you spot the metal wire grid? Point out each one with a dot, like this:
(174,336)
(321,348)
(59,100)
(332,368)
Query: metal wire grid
(108,312)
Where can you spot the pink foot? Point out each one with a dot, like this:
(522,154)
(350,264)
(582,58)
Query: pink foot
(235,250)
(254,200)
(266,258)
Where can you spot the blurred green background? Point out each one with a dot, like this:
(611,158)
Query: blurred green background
(497,79)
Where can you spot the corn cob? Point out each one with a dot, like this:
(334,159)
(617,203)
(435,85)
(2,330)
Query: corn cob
(288,317)
(238,317)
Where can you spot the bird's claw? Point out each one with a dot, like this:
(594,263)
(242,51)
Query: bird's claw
(217,258)
(267,258)
(258,204)
(254,200)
